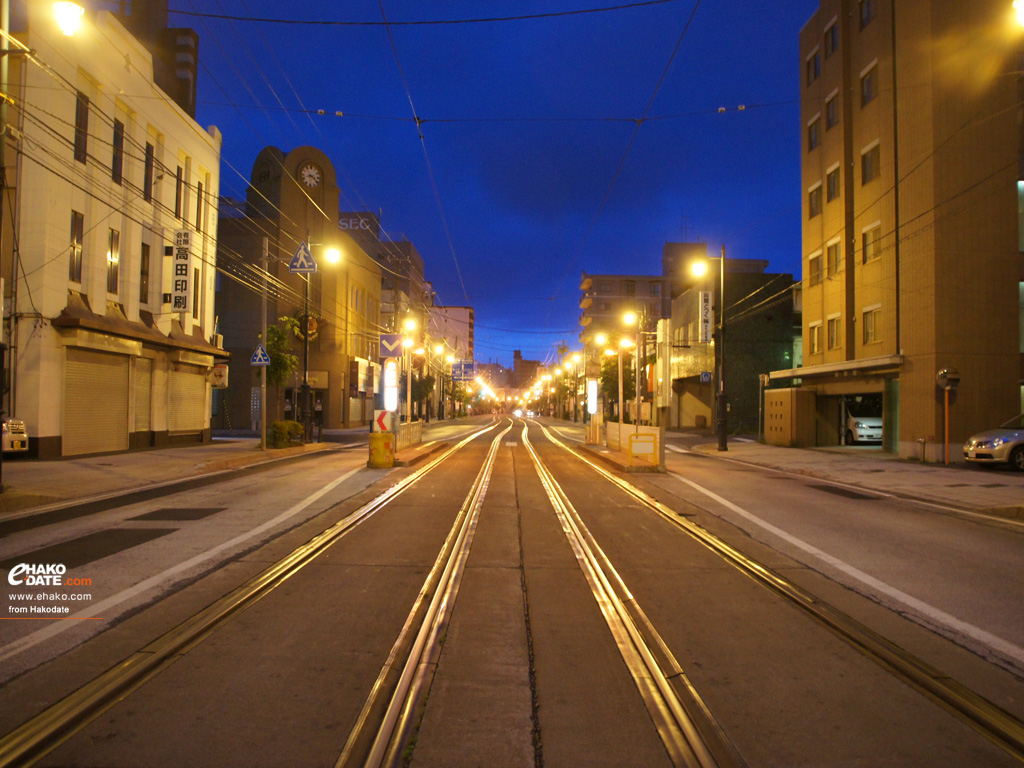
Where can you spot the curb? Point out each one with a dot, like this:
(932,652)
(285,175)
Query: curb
(613,461)
(259,456)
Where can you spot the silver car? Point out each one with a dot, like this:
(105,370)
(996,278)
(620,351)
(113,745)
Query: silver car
(997,446)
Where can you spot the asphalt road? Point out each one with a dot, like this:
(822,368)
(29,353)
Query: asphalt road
(528,673)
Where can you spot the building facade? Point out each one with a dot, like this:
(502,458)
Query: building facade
(760,325)
(606,298)
(911,166)
(293,199)
(109,256)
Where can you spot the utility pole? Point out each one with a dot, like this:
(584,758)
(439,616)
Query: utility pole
(264,261)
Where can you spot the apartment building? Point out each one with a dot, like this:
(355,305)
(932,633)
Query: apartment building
(912,263)
(108,244)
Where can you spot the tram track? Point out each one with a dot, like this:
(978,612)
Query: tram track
(50,728)
(996,724)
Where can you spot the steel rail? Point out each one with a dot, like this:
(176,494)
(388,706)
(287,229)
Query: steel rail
(391,710)
(689,732)
(999,726)
(47,730)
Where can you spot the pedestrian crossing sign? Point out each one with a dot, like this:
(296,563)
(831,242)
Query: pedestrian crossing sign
(260,356)
(302,262)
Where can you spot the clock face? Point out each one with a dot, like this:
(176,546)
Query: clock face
(310,175)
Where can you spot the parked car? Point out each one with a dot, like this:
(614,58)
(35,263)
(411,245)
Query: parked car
(863,419)
(15,436)
(1005,444)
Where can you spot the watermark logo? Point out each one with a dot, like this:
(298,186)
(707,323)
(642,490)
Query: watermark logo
(30,575)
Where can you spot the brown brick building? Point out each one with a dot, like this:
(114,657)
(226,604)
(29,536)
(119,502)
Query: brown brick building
(912,262)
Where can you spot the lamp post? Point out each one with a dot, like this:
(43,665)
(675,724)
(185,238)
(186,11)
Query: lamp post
(333,256)
(407,342)
(634,319)
(699,269)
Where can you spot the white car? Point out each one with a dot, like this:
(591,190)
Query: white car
(15,436)
(1003,445)
(863,420)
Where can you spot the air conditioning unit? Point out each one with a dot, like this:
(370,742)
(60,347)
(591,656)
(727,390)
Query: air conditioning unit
(218,340)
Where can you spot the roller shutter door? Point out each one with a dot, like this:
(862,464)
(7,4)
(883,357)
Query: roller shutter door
(186,410)
(95,403)
(143,394)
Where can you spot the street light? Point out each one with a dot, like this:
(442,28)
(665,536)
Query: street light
(69,16)
(633,320)
(700,269)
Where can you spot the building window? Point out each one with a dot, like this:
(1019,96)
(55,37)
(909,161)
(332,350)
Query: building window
(814,268)
(834,256)
(813,66)
(872,243)
(655,290)
(814,337)
(81,127)
(871,325)
(195,293)
(869,85)
(832,184)
(870,164)
(835,337)
(117,161)
(832,111)
(604,287)
(147,178)
(631,287)
(814,202)
(179,191)
(144,274)
(867,12)
(199,207)
(113,260)
(831,40)
(77,237)
(813,134)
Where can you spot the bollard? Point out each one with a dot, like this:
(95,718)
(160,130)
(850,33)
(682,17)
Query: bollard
(382,450)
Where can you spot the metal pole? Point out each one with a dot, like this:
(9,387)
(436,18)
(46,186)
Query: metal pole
(636,377)
(264,260)
(945,445)
(304,390)
(620,393)
(723,427)
(408,387)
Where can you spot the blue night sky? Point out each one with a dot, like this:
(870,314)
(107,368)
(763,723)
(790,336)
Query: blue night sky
(530,131)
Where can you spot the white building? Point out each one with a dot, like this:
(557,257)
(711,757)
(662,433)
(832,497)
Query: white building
(111,344)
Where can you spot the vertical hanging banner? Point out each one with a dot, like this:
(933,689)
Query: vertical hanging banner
(181,271)
(706,317)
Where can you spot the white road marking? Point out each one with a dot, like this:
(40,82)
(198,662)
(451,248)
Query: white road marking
(97,609)
(926,609)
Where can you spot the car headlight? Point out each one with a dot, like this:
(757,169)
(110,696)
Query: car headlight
(860,425)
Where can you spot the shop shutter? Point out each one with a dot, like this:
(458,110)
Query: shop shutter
(95,402)
(186,411)
(143,394)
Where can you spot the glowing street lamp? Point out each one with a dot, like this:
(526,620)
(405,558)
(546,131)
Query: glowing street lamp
(700,269)
(69,17)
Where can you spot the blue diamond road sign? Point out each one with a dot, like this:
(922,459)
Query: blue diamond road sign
(260,356)
(302,262)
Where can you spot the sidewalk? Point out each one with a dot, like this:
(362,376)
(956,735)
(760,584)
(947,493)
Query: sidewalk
(32,483)
(993,491)
(996,490)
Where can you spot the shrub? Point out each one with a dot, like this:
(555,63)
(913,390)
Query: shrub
(284,433)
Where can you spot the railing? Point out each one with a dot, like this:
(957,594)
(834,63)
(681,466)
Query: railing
(409,434)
